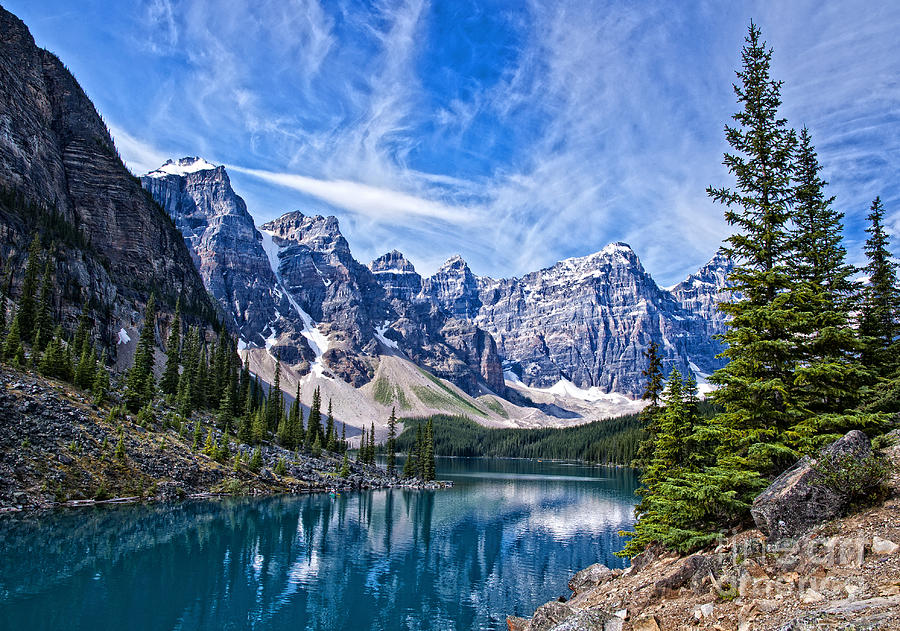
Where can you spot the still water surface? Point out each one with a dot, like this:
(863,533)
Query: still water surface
(503,541)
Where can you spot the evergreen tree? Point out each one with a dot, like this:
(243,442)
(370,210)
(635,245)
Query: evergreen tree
(53,363)
(27,308)
(197,436)
(345,467)
(139,383)
(391,443)
(169,382)
(12,348)
(275,408)
(317,446)
(43,320)
(259,429)
(652,393)
(2,319)
(881,297)
(86,370)
(83,331)
(428,469)
(256,461)
(296,421)
(188,376)
(671,512)
(750,432)
(225,416)
(209,448)
(344,437)
(100,387)
(314,421)
(330,436)
(245,430)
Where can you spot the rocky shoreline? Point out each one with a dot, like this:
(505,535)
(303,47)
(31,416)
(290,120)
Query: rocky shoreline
(57,450)
(839,573)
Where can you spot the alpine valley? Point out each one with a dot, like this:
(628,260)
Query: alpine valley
(559,346)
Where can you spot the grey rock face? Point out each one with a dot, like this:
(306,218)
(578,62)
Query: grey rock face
(225,245)
(397,276)
(700,294)
(115,246)
(316,267)
(587,320)
(455,289)
(800,498)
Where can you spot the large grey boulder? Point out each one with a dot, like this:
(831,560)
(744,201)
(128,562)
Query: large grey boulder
(799,498)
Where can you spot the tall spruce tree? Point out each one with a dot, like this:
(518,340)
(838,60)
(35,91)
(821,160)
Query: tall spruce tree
(139,383)
(330,436)
(760,335)
(392,443)
(428,468)
(168,384)
(880,298)
(314,420)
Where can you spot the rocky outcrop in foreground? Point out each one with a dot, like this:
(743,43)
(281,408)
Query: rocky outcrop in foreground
(57,448)
(840,574)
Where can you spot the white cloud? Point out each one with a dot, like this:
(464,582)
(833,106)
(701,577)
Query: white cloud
(379,203)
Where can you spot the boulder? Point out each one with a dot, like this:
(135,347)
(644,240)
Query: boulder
(589,620)
(590,577)
(799,499)
(548,616)
(682,574)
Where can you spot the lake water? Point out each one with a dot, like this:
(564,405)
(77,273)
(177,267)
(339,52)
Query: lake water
(503,541)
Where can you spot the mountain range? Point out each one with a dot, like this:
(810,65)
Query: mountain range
(562,344)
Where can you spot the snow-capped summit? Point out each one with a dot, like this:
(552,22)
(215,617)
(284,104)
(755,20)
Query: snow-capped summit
(182,167)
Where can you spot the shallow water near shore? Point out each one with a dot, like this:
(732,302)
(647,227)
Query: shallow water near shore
(504,540)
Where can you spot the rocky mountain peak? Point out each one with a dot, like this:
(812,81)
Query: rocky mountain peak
(392,261)
(319,233)
(454,288)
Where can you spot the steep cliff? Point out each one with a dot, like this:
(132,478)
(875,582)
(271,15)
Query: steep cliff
(62,178)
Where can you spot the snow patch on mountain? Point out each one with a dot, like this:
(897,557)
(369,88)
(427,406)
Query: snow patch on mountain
(182,167)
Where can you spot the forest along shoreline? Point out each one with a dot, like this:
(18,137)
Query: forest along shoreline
(58,448)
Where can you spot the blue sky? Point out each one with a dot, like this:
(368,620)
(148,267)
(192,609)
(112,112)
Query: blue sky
(513,133)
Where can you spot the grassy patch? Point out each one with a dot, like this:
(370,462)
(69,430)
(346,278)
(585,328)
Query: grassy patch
(382,391)
(446,397)
(494,405)
(401,398)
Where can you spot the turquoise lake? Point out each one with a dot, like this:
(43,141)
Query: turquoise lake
(504,540)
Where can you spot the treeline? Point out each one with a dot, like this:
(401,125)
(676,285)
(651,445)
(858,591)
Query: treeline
(811,353)
(612,441)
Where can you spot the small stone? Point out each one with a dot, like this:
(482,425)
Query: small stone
(883,546)
(646,624)
(706,610)
(812,596)
(622,613)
